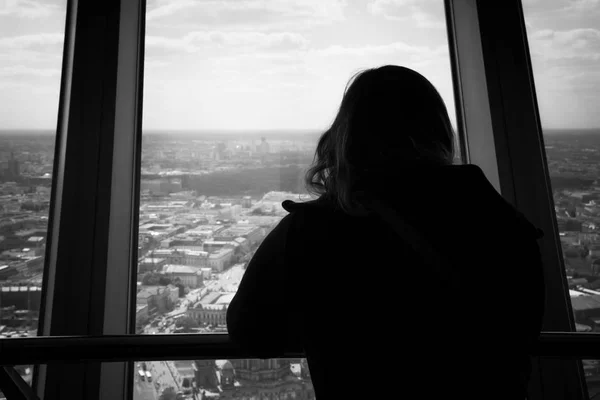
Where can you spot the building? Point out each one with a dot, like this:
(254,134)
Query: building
(250,232)
(187,275)
(586,310)
(206,273)
(173,293)
(22,297)
(6,271)
(157,298)
(246,202)
(205,374)
(265,379)
(182,256)
(214,245)
(141,314)
(151,264)
(211,309)
(211,314)
(220,259)
(263,147)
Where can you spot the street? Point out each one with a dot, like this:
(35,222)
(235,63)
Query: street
(171,373)
(164,375)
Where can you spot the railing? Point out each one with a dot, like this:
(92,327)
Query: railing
(57,349)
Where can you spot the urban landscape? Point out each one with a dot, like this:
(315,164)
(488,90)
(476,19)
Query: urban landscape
(207,201)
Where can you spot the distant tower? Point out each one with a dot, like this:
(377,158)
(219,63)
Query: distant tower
(13,166)
(227,375)
(270,379)
(205,374)
(247,202)
(263,147)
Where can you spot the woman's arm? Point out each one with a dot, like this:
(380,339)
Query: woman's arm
(256,317)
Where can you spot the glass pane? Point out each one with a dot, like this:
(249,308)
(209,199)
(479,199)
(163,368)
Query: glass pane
(241,379)
(31,48)
(26,372)
(236,94)
(565,43)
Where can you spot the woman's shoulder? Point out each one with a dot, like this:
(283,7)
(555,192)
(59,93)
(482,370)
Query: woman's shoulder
(320,204)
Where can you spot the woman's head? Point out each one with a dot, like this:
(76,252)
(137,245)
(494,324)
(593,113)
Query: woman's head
(389,117)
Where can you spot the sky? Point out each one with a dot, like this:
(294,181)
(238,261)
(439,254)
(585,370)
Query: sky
(284,64)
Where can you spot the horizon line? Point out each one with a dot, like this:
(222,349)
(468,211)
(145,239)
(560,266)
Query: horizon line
(153,131)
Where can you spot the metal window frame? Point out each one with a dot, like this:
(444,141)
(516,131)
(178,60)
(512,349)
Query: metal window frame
(496,90)
(120,291)
(87,275)
(107,348)
(91,255)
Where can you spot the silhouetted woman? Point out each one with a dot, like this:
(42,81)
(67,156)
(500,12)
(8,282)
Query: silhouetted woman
(377,316)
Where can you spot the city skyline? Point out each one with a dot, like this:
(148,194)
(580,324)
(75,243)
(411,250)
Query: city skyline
(262,65)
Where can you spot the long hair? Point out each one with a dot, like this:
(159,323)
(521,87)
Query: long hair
(390,118)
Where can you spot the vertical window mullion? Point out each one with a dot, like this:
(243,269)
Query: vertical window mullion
(120,296)
(470,87)
(48,288)
(77,271)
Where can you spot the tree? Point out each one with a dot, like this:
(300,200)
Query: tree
(150,279)
(168,394)
(187,323)
(163,280)
(181,289)
(153,279)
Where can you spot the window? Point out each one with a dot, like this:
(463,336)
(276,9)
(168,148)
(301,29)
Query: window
(31,47)
(564,42)
(192,83)
(288,378)
(236,94)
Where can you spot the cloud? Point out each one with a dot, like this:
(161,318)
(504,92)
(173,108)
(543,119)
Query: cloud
(27,8)
(383,50)
(271,41)
(166,9)
(235,11)
(151,64)
(27,41)
(165,43)
(425,13)
(576,44)
(17,70)
(584,5)
(236,41)
(381,7)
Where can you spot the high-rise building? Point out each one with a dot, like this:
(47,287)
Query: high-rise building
(205,374)
(11,168)
(247,202)
(271,378)
(263,147)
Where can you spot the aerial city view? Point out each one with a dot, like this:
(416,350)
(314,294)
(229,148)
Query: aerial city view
(207,202)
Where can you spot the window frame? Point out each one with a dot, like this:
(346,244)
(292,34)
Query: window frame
(87,282)
(505,138)
(101,96)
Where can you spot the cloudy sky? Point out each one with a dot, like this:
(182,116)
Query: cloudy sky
(283,64)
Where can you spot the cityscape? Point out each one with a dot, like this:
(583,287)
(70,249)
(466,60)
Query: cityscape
(207,200)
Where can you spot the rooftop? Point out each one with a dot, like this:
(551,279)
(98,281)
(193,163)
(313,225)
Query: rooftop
(180,269)
(225,299)
(220,253)
(152,260)
(210,298)
(581,303)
